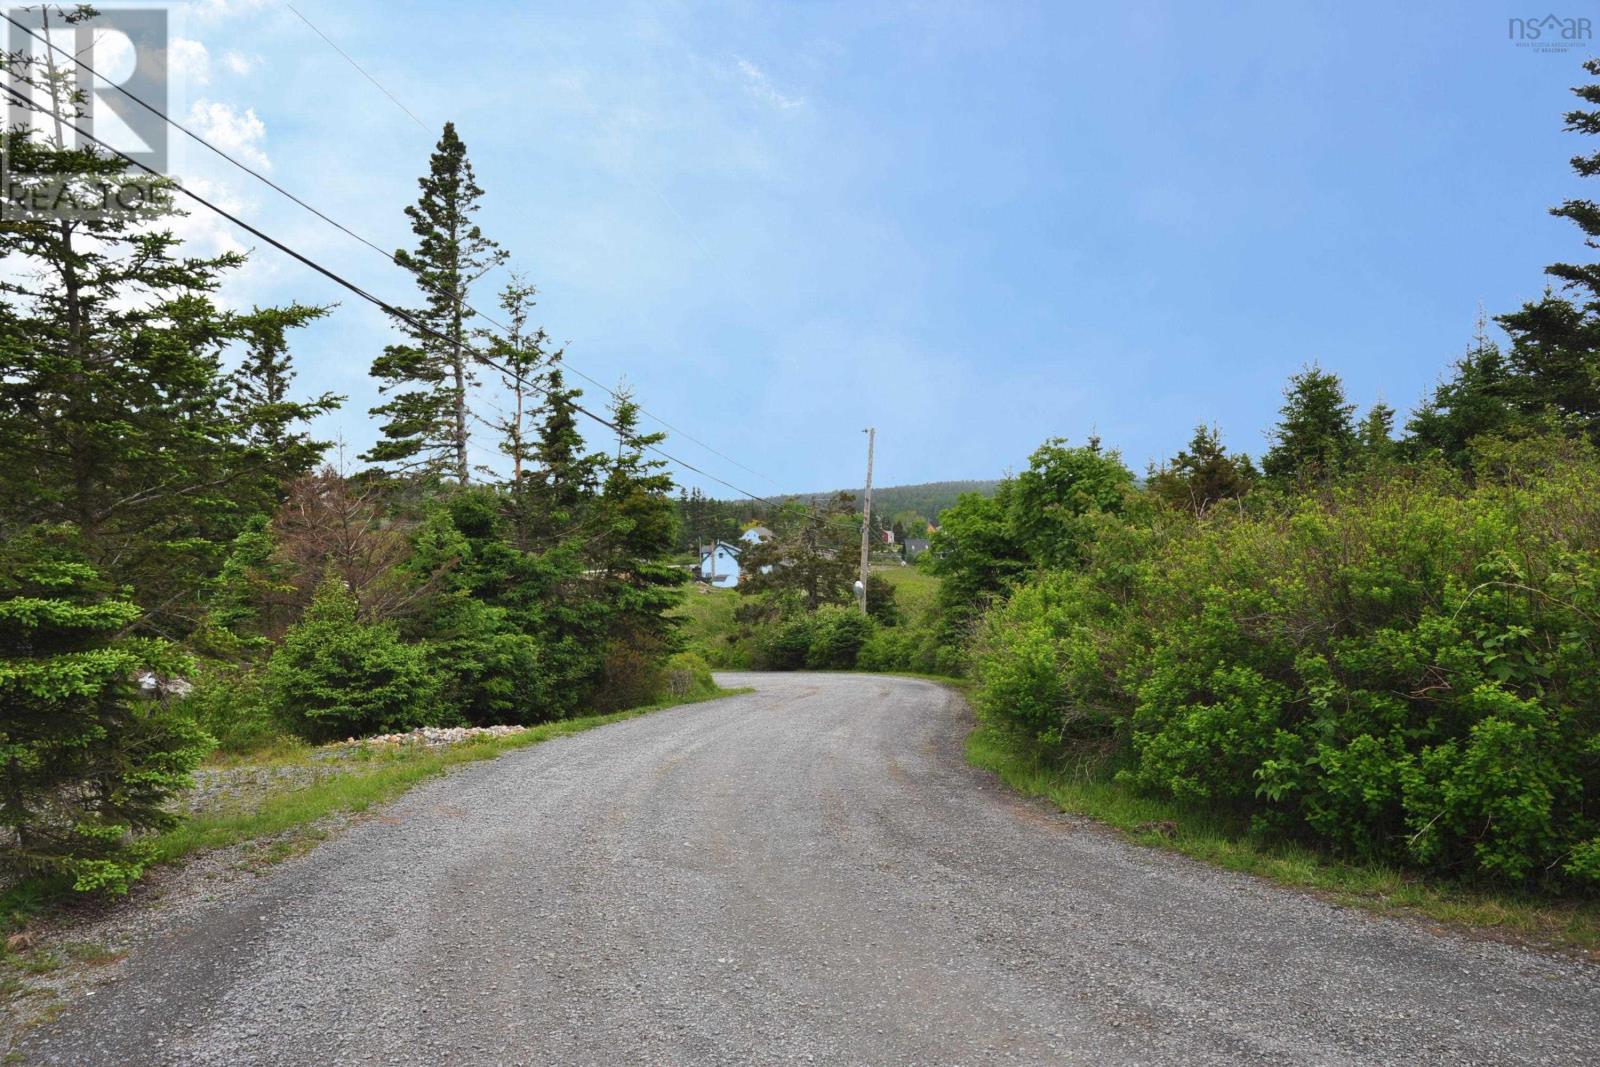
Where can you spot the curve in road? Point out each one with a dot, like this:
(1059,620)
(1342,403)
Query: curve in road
(808,873)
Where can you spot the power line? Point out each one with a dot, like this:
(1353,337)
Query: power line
(376,300)
(386,254)
(358,67)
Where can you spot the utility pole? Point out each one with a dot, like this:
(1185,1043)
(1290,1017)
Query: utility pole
(866,517)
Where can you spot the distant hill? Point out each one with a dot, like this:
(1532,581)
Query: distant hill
(926,499)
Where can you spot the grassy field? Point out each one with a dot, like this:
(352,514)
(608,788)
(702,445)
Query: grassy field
(914,590)
(1088,790)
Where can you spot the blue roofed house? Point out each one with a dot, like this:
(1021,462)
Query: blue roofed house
(719,565)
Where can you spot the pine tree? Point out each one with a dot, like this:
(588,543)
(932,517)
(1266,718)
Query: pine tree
(114,404)
(1555,342)
(1315,434)
(85,761)
(429,378)
(1203,474)
(269,420)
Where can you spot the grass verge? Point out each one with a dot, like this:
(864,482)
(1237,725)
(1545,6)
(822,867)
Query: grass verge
(1087,789)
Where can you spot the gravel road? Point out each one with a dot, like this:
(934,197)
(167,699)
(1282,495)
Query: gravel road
(808,873)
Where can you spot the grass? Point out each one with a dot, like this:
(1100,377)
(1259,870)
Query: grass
(1088,789)
(914,590)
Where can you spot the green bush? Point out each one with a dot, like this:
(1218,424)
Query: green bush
(837,635)
(1399,668)
(230,703)
(335,676)
(782,644)
(86,762)
(687,676)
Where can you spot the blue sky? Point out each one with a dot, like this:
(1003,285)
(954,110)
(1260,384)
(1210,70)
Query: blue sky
(972,225)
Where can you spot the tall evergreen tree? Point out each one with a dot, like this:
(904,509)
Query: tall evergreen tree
(1478,398)
(1555,341)
(114,406)
(635,530)
(428,379)
(566,478)
(270,421)
(1316,433)
(521,353)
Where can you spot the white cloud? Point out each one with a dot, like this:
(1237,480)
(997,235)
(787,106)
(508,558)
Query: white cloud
(239,63)
(761,87)
(235,132)
(217,10)
(190,60)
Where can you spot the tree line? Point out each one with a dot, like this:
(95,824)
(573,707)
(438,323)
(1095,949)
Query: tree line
(183,563)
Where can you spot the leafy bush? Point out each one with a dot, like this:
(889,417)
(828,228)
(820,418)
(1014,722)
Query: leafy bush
(783,644)
(837,635)
(85,761)
(335,676)
(1400,667)
(687,676)
(230,703)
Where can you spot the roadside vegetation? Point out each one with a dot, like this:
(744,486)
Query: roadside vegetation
(186,573)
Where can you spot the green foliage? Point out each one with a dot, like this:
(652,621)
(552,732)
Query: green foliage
(1316,433)
(335,676)
(230,704)
(1396,667)
(85,761)
(813,554)
(427,379)
(1202,475)
(837,635)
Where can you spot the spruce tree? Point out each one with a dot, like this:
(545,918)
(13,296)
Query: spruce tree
(115,408)
(85,760)
(1479,398)
(635,530)
(1316,433)
(1555,341)
(428,379)
(1203,474)
(270,422)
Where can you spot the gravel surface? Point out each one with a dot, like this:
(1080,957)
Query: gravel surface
(809,873)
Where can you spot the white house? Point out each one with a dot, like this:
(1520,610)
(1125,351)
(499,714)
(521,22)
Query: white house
(755,535)
(721,559)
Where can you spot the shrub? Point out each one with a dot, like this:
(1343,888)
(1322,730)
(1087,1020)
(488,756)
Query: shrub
(1399,667)
(631,676)
(687,676)
(837,635)
(87,762)
(230,703)
(782,644)
(335,676)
